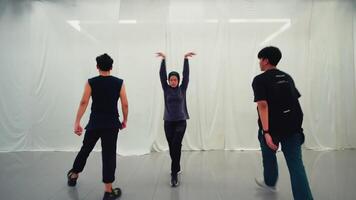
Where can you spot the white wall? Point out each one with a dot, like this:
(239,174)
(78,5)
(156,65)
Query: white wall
(48,51)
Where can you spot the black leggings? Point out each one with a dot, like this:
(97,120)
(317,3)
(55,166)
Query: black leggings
(174,133)
(108,145)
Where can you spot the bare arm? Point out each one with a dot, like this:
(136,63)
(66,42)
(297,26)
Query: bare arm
(81,110)
(263,112)
(124,105)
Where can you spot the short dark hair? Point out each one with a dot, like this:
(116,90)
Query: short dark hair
(104,62)
(174,73)
(273,54)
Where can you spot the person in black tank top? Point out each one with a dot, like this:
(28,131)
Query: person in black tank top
(105,91)
(280,120)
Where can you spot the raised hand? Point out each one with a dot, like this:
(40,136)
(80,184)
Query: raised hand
(189,54)
(160,54)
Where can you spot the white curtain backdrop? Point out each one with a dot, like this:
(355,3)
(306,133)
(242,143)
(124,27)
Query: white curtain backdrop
(48,51)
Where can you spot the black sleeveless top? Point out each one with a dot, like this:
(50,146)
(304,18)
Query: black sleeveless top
(105,93)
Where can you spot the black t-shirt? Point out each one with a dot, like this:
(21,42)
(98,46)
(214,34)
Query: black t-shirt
(105,93)
(285,115)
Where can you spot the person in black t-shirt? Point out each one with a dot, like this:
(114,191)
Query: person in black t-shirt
(280,121)
(105,91)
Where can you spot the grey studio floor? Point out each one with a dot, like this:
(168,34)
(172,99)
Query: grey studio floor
(215,175)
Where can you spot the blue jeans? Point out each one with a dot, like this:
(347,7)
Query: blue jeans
(291,148)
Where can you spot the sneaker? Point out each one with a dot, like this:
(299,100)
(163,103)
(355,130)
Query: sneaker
(114,194)
(71,181)
(174,180)
(262,184)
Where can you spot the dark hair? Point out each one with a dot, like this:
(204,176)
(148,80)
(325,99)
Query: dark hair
(104,62)
(273,54)
(173,73)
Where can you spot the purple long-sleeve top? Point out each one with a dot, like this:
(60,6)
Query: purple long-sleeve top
(175,104)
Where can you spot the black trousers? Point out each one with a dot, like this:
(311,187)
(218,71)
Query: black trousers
(174,133)
(108,144)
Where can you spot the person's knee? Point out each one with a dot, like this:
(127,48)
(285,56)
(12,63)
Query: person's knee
(85,150)
(296,167)
(177,145)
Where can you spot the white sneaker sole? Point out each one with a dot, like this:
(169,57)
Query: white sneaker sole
(265,187)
